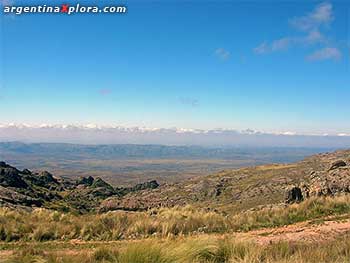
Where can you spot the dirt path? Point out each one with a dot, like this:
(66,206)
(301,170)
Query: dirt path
(304,232)
(310,231)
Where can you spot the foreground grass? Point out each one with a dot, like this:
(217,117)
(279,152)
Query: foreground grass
(166,235)
(313,208)
(206,248)
(45,225)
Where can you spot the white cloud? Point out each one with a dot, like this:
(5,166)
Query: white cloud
(142,129)
(313,37)
(115,134)
(310,25)
(277,45)
(288,133)
(343,134)
(222,53)
(321,15)
(263,48)
(281,44)
(328,53)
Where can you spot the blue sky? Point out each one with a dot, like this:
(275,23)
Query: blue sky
(270,66)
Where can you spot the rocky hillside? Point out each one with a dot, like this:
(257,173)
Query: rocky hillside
(247,188)
(227,191)
(28,189)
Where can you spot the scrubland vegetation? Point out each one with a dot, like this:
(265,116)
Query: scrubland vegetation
(191,249)
(179,234)
(46,225)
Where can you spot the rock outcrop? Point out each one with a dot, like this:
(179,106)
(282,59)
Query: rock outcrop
(148,185)
(42,189)
(86,180)
(337,164)
(325,182)
(9,177)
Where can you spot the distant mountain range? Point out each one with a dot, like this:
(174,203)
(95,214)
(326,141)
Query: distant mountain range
(129,164)
(126,151)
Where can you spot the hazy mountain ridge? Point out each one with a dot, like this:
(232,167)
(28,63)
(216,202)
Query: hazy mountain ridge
(146,151)
(129,164)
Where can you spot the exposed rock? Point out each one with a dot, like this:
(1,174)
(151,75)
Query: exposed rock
(42,179)
(4,165)
(86,180)
(47,178)
(337,164)
(27,172)
(148,185)
(334,182)
(24,188)
(330,182)
(305,191)
(9,177)
(219,188)
(100,183)
(9,196)
(115,203)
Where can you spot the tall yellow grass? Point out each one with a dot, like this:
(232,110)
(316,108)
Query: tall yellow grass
(45,225)
(202,249)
